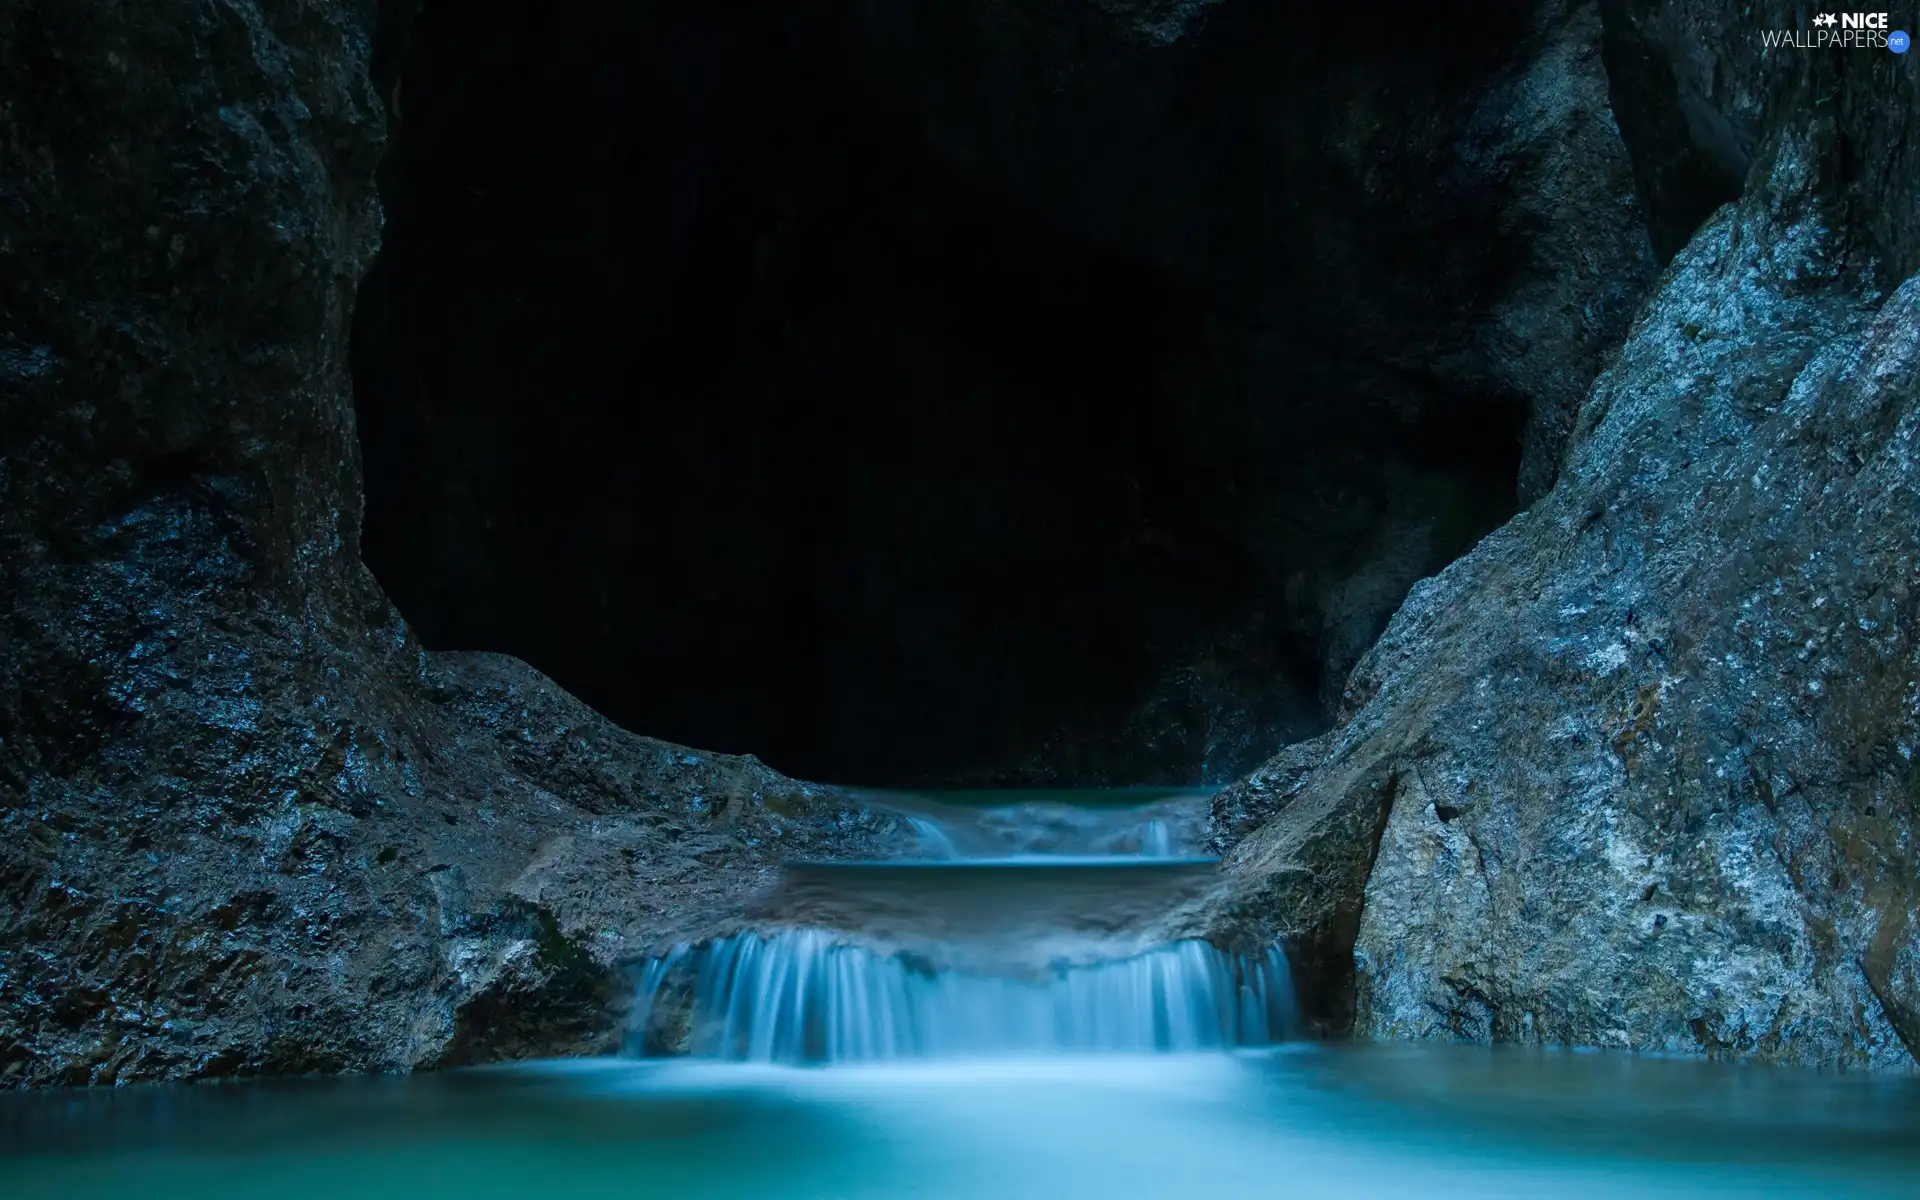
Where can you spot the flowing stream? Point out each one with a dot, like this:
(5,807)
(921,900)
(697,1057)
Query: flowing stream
(1299,1121)
(802,997)
(1039,941)
(991,1019)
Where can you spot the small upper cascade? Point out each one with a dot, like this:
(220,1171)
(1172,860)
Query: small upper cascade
(806,995)
(932,837)
(1112,822)
(1156,839)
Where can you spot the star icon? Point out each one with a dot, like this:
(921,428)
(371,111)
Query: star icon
(1826,19)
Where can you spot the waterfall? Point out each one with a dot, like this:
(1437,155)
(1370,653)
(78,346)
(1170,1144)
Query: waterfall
(805,996)
(932,837)
(1156,841)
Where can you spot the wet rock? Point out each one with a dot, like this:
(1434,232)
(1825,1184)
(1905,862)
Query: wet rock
(1650,743)
(1241,808)
(1320,809)
(1630,751)
(511,852)
(246,825)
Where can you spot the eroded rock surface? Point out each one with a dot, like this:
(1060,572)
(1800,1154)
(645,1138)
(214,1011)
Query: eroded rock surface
(245,824)
(1648,750)
(1665,797)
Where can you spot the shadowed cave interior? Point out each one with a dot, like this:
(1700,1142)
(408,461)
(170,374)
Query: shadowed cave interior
(695,373)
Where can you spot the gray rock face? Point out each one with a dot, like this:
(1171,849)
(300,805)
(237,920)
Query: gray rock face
(1648,750)
(1318,812)
(1664,798)
(245,824)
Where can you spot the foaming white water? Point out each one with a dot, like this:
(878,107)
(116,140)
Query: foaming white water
(1156,840)
(932,837)
(804,996)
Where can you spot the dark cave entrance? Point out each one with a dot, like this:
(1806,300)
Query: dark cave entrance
(691,376)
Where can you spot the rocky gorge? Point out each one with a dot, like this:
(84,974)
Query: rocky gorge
(1482,445)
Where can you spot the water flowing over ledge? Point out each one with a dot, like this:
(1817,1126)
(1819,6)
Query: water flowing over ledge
(808,996)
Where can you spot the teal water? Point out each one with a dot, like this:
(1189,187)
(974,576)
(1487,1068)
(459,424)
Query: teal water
(1301,1121)
(959,1071)
(1080,797)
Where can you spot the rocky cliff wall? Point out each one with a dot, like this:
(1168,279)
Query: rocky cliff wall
(246,825)
(1638,771)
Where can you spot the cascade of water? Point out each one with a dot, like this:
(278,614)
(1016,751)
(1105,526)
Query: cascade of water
(933,837)
(1156,841)
(804,996)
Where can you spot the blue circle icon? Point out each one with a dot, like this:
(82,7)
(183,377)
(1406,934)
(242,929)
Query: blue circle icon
(1898,41)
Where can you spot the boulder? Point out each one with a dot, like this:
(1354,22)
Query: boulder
(1646,752)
